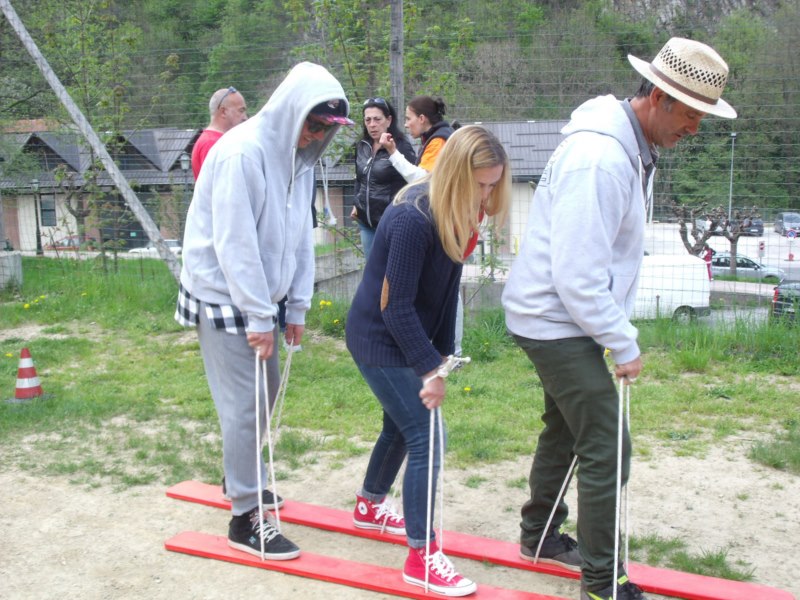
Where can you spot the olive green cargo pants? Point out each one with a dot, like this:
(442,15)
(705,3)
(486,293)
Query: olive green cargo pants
(580,417)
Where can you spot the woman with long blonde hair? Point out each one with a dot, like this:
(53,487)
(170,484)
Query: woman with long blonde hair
(401,324)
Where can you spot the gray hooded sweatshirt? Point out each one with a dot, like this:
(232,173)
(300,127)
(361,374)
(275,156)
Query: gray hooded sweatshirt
(248,239)
(578,267)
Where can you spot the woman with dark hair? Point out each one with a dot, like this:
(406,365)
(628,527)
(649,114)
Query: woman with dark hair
(402,322)
(424,121)
(377,181)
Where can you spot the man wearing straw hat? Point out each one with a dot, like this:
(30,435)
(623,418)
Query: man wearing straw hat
(570,293)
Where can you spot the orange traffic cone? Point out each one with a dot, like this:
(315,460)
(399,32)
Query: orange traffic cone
(28,385)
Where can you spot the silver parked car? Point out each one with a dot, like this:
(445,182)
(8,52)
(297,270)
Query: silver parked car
(787,221)
(745,267)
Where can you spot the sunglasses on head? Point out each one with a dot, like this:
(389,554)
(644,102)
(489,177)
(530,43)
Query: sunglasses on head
(231,90)
(315,126)
(379,101)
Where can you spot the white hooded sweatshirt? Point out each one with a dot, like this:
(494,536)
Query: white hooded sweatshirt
(578,268)
(248,239)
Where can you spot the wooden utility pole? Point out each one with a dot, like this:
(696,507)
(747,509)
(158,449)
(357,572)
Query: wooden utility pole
(98,147)
(2,218)
(396,56)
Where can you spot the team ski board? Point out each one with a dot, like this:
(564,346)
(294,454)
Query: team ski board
(330,569)
(652,579)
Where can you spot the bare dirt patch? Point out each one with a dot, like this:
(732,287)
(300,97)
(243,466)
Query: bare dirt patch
(66,540)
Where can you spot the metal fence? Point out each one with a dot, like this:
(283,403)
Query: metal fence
(36,218)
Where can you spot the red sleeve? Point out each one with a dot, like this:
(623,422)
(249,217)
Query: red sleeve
(201,147)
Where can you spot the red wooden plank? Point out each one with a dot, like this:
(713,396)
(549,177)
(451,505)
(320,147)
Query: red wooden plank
(652,579)
(330,569)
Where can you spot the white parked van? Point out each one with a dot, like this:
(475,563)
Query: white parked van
(674,287)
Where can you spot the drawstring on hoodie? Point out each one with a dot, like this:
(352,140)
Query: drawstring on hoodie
(647,189)
(291,180)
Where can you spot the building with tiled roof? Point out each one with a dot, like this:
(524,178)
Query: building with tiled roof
(150,159)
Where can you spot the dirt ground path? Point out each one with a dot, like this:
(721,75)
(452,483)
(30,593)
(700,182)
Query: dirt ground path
(67,541)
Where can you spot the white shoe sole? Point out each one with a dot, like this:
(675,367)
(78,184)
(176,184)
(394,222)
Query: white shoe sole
(466,588)
(376,527)
(267,555)
(550,561)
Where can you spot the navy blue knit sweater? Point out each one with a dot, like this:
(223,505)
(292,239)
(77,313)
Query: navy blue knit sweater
(416,326)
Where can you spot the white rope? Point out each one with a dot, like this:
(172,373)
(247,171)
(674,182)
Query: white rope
(258,458)
(270,446)
(627,488)
(555,506)
(429,503)
(452,362)
(261,365)
(620,415)
(441,479)
(281,395)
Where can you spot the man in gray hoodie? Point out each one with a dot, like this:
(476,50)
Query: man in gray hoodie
(571,290)
(248,243)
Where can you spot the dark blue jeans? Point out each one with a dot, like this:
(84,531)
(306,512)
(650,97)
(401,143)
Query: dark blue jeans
(367,237)
(406,427)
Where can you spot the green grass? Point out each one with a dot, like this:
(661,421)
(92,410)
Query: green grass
(107,347)
(783,451)
(770,280)
(672,553)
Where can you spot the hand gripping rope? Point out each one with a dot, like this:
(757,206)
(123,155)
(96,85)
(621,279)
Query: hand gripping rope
(452,362)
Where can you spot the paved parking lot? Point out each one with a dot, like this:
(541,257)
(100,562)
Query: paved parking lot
(663,238)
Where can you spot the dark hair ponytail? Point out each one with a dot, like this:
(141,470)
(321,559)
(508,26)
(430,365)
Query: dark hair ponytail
(433,108)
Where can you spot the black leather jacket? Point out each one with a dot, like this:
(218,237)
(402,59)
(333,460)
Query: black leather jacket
(377,181)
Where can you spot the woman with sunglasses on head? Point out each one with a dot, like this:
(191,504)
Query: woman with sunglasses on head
(424,121)
(377,181)
(401,326)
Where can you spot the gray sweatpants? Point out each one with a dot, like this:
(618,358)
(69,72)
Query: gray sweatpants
(230,370)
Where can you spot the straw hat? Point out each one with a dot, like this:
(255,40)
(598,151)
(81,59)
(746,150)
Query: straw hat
(690,72)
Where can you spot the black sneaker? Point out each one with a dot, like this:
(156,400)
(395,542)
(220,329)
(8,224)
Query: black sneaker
(626,590)
(268,499)
(557,549)
(243,534)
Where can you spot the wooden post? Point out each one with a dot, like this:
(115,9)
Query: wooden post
(396,57)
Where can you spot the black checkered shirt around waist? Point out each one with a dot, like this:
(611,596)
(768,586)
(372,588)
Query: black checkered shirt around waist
(223,316)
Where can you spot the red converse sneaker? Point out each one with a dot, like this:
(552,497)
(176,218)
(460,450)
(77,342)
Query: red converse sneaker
(369,515)
(442,576)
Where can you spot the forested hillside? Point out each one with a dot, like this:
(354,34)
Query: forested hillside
(151,63)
